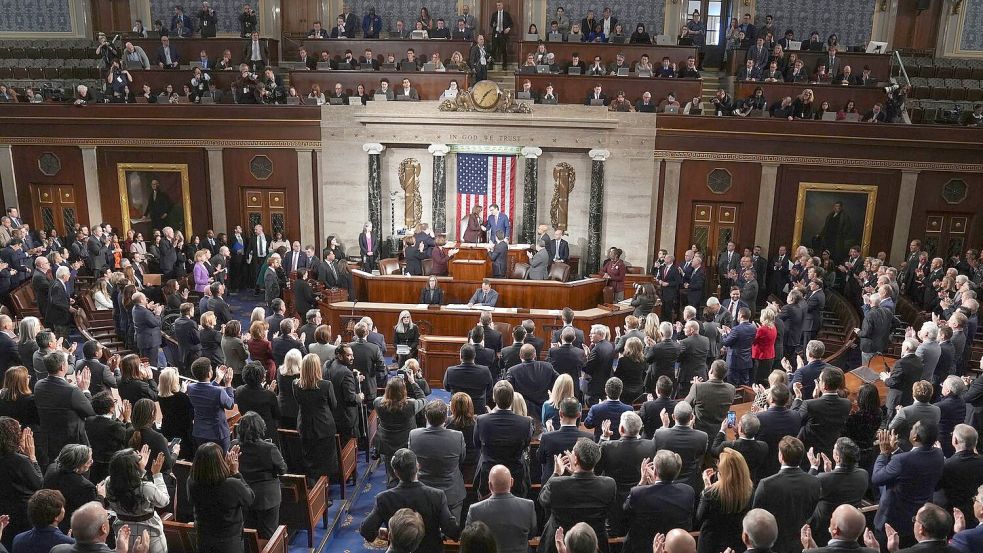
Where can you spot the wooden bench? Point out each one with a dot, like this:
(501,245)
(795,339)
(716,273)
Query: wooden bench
(302,506)
(182,536)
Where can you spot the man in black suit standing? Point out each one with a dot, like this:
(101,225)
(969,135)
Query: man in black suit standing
(580,497)
(669,277)
(567,315)
(754,451)
(146,327)
(62,406)
(815,301)
(531,337)
(218,305)
(728,260)
(304,298)
(493,338)
(96,249)
(779,270)
(824,417)
(692,357)
(429,503)
(905,372)
(470,378)
(59,314)
(533,379)
(368,360)
(567,358)
(875,330)
(962,473)
(792,316)
(159,206)
(482,355)
(345,382)
(659,503)
(501,27)
(502,436)
(847,525)
(689,443)
(841,483)
(600,363)
(168,255)
(510,354)
(695,282)
(480,58)
(621,460)
(791,495)
(776,421)
(271,279)
(295,259)
(559,440)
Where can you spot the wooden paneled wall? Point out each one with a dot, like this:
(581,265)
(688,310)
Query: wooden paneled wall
(27,172)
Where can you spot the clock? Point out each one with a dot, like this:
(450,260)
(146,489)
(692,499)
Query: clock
(485,95)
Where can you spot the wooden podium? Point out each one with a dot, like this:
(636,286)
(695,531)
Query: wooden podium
(470,269)
(862,375)
(436,354)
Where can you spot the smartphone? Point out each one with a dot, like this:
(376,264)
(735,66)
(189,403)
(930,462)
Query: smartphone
(174,442)
(731,419)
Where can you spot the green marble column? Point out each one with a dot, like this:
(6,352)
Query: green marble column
(530,191)
(595,211)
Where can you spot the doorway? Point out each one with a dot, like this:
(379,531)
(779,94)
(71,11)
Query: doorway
(267,207)
(714,16)
(714,224)
(55,208)
(946,234)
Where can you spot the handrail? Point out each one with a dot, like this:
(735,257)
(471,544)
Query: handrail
(851,320)
(896,56)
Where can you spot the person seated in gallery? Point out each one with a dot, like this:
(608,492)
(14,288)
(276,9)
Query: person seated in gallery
(596,68)
(723,105)
(756,101)
(326,58)
(484,296)
(308,62)
(645,103)
(441,31)
(666,70)
(797,73)
(318,31)
(596,94)
(432,294)
(782,108)
(341,31)
(549,95)
(749,72)
(689,71)
(339,94)
(368,59)
(575,61)
(620,103)
(349,58)
(619,63)
(669,102)
(385,90)
(644,64)
(773,74)
(408,92)
(410,62)
(821,75)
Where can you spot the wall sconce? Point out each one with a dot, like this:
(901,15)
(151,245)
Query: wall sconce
(956,6)
(883,5)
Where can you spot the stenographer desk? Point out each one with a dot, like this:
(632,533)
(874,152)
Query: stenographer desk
(440,345)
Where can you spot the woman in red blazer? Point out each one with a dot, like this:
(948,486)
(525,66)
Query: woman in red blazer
(763,348)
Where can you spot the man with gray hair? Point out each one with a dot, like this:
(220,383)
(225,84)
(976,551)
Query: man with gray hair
(41,284)
(683,439)
(759,530)
(807,372)
(62,406)
(962,473)
(952,410)
(580,497)
(875,330)
(928,350)
(905,372)
(60,310)
(658,503)
(581,537)
(621,459)
(692,357)
(146,327)
(91,526)
(755,451)
(600,362)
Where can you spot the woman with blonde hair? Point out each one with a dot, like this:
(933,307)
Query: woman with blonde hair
(177,413)
(457,62)
(631,370)
(101,295)
(651,328)
(289,372)
(777,376)
(724,503)
(763,347)
(406,334)
(210,337)
(562,389)
(258,314)
(315,422)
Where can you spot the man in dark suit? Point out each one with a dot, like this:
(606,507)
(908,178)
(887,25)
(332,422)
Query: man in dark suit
(278,312)
(96,249)
(480,58)
(727,261)
(59,313)
(185,330)
(692,356)
(778,272)
(484,295)
(759,54)
(483,356)
(920,411)
(754,451)
(271,280)
(502,436)
(493,338)
(558,248)
(695,282)
(600,363)
(847,525)
(567,316)
(304,298)
(511,519)
(567,358)
(738,342)
(730,307)
(791,495)
(905,372)
(533,379)
(777,421)
(256,54)
(792,316)
(470,378)
(218,305)
(711,399)
(41,284)
(9,352)
(659,503)
(579,497)
(168,255)
(907,480)
(841,483)
(501,27)
(429,503)
(295,259)
(559,440)
(875,330)
(500,256)
(440,452)
(146,327)
(670,278)
(257,248)
(824,417)
(607,413)
(962,473)
(510,354)
(286,341)
(167,56)
(368,360)
(683,439)
(62,406)
(621,459)
(815,301)
(339,372)
(808,373)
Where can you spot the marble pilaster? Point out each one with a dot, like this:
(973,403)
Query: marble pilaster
(7,176)
(305,186)
(216,187)
(375,184)
(670,201)
(530,188)
(766,205)
(902,220)
(90,170)
(439,199)
(595,210)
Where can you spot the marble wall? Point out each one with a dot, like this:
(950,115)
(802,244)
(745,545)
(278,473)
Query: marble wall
(36,16)
(972,38)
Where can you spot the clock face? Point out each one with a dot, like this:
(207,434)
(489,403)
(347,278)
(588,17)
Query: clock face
(485,94)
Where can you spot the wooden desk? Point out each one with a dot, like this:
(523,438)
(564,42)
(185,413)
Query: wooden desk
(633,52)
(469,269)
(190,48)
(449,323)
(880,64)
(428,85)
(864,96)
(532,294)
(573,89)
(878,365)
(380,48)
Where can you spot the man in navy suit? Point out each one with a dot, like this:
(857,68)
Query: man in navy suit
(497,221)
(181,24)
(670,278)
(470,378)
(738,343)
(502,436)
(609,410)
(567,358)
(533,379)
(600,362)
(658,503)
(210,398)
(555,442)
(484,295)
(731,306)
(146,327)
(777,421)
(167,56)
(558,248)
(810,371)
(907,480)
(792,316)
(695,282)
(295,259)
(499,254)
(815,301)
(962,473)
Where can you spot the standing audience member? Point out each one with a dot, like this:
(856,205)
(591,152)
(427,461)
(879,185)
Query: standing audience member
(440,452)
(67,475)
(19,478)
(315,422)
(261,465)
(257,396)
(724,503)
(211,395)
(177,413)
(503,437)
(220,497)
(46,509)
(397,417)
(133,498)
(792,494)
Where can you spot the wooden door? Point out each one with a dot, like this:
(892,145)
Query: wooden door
(714,224)
(267,207)
(299,16)
(516,10)
(946,234)
(54,207)
(109,16)
(915,28)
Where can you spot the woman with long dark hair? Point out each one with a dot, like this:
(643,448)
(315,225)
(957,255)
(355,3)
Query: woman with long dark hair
(220,496)
(463,420)
(16,398)
(145,433)
(631,370)
(397,416)
(863,423)
(133,498)
(137,380)
(261,465)
(315,420)
(20,476)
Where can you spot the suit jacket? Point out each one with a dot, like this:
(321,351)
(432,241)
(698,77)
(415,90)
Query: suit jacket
(565,359)
(500,258)
(304,298)
(223,313)
(843,485)
(162,58)
(556,442)
(607,409)
(791,495)
(59,306)
(905,372)
(62,409)
(474,380)
(539,265)
(558,253)
(875,330)
(929,352)
(654,509)
(908,416)
(272,285)
(440,451)
(186,334)
(710,400)
(97,253)
(282,345)
(793,315)
(247,53)
(429,502)
(480,297)
(691,445)
(581,497)
(621,459)
(776,423)
(533,379)
(210,402)
(814,311)
(946,364)
(968,541)
(502,437)
(754,451)
(738,342)
(823,420)
(697,281)
(9,353)
(962,475)
(808,374)
(42,286)
(693,357)
(907,481)
(368,361)
(661,358)
(512,520)
(578,340)
(759,55)
(599,365)
(288,260)
(146,327)
(725,265)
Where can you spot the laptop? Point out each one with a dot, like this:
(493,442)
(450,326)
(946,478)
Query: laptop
(403,98)
(522,96)
(153,34)
(829,116)
(597,102)
(194,64)
(419,35)
(542,69)
(554,37)
(395,34)
(387,67)
(336,101)
(549,100)
(380,98)
(622,71)
(143,100)
(291,100)
(852,117)
(794,45)
(324,66)
(354,100)
(574,37)
(664,40)
(532,38)
(344,66)
(207,99)
(293,65)
(429,66)
(527,69)
(619,40)
(671,109)
(573,70)
(647,73)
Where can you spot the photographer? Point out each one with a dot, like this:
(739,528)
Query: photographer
(894,106)
(119,81)
(244,88)
(248,22)
(199,84)
(107,50)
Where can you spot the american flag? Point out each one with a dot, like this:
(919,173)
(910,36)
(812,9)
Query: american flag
(485,179)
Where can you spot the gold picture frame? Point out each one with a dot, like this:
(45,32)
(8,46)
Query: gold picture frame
(807,217)
(134,186)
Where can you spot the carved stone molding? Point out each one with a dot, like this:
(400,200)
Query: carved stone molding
(765,159)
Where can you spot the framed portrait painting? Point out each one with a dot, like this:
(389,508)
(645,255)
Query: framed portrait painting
(153,196)
(834,217)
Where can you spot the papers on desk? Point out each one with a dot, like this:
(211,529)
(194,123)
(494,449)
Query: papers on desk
(466,307)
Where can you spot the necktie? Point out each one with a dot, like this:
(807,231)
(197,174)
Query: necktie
(167,55)
(498,26)
(557,255)
(733,310)
(333,272)
(368,242)
(294,264)
(482,298)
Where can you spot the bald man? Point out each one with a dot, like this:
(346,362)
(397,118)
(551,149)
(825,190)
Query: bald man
(845,528)
(512,519)
(676,541)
